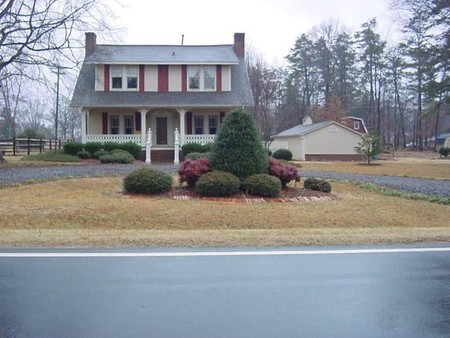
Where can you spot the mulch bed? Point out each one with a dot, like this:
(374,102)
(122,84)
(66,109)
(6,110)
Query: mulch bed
(287,194)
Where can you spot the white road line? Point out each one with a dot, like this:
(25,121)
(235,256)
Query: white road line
(218,253)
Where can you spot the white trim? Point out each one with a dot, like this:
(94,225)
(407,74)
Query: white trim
(202,79)
(171,63)
(221,253)
(124,79)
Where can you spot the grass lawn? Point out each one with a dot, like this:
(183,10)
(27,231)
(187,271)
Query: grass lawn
(426,166)
(93,212)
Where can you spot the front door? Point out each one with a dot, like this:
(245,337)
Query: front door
(161,130)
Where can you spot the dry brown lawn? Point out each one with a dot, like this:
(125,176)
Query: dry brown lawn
(94,212)
(426,165)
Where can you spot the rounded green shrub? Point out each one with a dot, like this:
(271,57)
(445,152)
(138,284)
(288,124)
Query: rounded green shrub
(133,148)
(119,151)
(282,154)
(238,147)
(317,184)
(100,153)
(108,146)
(93,147)
(217,183)
(262,185)
(188,148)
(444,152)
(147,181)
(118,157)
(84,154)
(72,148)
(195,156)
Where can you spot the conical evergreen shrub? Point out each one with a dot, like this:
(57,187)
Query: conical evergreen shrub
(238,149)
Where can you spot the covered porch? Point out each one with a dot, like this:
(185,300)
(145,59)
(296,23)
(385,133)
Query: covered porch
(160,129)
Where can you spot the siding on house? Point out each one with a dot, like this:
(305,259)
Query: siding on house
(151,79)
(323,141)
(99,77)
(175,78)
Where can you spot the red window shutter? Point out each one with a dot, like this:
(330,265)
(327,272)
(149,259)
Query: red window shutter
(105,123)
(219,78)
(163,78)
(189,123)
(141,78)
(137,121)
(184,78)
(106,81)
(222,116)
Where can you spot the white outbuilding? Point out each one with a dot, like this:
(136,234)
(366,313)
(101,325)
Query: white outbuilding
(322,141)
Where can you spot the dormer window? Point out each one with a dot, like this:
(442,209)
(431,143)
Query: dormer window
(124,77)
(202,78)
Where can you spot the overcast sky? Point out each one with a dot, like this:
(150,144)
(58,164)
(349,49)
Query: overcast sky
(271,26)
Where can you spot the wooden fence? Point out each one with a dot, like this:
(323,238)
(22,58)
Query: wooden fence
(22,146)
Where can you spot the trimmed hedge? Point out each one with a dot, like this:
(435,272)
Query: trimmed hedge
(72,148)
(133,148)
(118,157)
(84,154)
(147,181)
(444,152)
(262,185)
(100,153)
(217,183)
(93,147)
(283,154)
(195,156)
(317,184)
(189,148)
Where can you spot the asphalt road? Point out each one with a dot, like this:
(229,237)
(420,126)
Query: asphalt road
(206,293)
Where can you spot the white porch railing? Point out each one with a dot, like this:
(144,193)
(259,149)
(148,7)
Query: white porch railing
(202,139)
(118,138)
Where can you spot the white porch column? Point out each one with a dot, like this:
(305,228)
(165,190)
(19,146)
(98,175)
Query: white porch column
(176,157)
(143,125)
(84,116)
(182,113)
(148,146)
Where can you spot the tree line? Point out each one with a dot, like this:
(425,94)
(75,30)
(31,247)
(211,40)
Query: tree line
(401,91)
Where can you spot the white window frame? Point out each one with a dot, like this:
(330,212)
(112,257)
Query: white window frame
(201,70)
(356,125)
(210,118)
(125,75)
(111,118)
(129,118)
(194,120)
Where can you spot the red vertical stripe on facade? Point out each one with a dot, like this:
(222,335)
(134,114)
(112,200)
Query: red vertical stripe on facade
(137,121)
(163,78)
(184,78)
(106,75)
(189,123)
(141,78)
(105,123)
(219,78)
(222,116)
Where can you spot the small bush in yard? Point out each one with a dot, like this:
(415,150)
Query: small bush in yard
(194,156)
(84,154)
(285,172)
(93,147)
(317,184)
(100,153)
(444,152)
(191,170)
(147,181)
(283,154)
(108,146)
(118,157)
(72,148)
(192,148)
(217,183)
(133,148)
(262,185)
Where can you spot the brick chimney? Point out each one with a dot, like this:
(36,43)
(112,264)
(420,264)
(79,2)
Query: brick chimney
(91,43)
(239,44)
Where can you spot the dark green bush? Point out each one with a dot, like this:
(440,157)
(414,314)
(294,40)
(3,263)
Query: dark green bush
(317,184)
(133,148)
(118,150)
(72,148)
(268,151)
(444,152)
(108,146)
(195,156)
(217,183)
(147,181)
(192,148)
(262,185)
(118,157)
(283,154)
(93,147)
(100,153)
(206,148)
(84,154)
(238,147)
